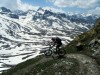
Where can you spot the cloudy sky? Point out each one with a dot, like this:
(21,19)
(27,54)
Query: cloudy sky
(76,6)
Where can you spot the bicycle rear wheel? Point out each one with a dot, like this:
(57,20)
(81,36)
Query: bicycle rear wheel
(61,52)
(48,53)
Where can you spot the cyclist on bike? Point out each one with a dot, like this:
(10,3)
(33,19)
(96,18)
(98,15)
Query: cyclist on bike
(56,42)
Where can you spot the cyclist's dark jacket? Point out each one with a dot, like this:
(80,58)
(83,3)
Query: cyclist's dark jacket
(57,41)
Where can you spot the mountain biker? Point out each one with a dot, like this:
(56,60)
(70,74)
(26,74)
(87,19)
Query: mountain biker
(56,42)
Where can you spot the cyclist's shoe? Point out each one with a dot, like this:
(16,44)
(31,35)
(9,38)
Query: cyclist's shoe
(56,52)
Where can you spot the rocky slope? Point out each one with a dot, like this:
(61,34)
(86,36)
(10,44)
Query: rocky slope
(76,64)
(88,42)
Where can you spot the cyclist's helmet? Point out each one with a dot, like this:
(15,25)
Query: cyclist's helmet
(53,39)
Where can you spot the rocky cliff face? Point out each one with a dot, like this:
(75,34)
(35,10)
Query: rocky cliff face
(89,42)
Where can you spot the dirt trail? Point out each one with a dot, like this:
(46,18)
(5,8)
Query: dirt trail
(87,62)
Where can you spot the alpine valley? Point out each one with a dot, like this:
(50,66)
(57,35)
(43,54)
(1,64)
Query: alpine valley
(23,34)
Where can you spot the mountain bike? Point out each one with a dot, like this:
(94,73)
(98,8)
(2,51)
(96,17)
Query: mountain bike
(52,51)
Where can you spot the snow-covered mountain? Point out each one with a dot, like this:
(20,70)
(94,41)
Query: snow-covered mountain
(47,21)
(24,34)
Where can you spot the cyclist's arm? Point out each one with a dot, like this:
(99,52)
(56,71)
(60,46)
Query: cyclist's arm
(52,44)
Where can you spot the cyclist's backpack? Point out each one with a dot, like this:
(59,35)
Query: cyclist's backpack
(58,40)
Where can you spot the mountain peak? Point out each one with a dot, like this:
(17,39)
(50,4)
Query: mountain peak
(40,10)
(4,9)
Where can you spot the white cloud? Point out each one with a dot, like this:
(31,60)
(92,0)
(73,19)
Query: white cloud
(95,11)
(77,3)
(17,4)
(9,4)
(25,6)
(94,5)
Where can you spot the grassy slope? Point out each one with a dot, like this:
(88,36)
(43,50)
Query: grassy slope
(45,66)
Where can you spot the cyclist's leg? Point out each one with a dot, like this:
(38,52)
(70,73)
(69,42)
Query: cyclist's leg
(58,47)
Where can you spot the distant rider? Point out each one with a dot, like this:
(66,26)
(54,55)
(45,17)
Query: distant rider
(56,42)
